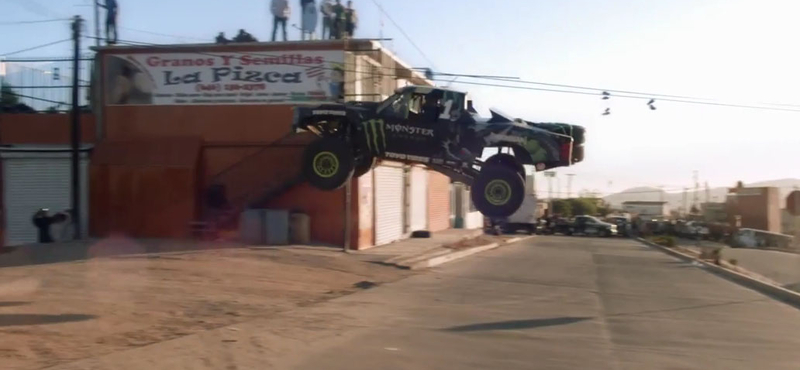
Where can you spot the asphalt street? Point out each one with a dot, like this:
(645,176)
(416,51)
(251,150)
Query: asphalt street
(561,303)
(547,303)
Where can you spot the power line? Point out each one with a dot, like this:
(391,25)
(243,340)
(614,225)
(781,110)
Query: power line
(405,34)
(33,22)
(630,96)
(163,34)
(649,95)
(36,47)
(393,75)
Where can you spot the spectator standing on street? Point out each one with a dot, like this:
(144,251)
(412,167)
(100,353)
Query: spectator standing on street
(338,23)
(351,19)
(326,11)
(112,8)
(280,12)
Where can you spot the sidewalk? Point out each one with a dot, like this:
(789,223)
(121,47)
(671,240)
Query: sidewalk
(780,267)
(418,246)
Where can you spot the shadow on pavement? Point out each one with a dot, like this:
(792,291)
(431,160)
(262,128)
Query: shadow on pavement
(518,324)
(36,319)
(13,304)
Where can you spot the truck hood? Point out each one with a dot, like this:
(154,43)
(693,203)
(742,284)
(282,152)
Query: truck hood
(500,120)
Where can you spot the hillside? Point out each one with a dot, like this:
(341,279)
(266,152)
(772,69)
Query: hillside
(675,200)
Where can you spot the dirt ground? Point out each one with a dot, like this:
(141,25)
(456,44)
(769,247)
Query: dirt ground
(56,313)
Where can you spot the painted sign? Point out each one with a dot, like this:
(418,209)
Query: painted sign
(268,77)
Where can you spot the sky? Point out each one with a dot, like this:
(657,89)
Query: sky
(734,51)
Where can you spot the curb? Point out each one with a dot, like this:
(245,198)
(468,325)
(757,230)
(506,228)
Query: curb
(455,255)
(452,256)
(787,296)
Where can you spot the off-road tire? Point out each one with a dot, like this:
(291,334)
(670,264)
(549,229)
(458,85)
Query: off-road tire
(328,163)
(507,160)
(498,191)
(364,165)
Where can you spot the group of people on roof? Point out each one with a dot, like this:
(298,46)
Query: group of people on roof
(338,21)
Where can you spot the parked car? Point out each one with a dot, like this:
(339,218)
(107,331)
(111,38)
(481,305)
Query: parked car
(695,230)
(590,225)
(523,219)
(623,225)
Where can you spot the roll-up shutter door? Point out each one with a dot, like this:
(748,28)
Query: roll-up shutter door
(419,199)
(439,204)
(34,180)
(388,204)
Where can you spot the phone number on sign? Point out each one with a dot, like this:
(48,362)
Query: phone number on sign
(231,87)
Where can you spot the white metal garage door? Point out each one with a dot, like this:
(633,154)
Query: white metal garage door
(34,180)
(388,204)
(419,198)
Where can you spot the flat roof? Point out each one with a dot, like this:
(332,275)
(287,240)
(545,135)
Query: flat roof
(334,44)
(643,202)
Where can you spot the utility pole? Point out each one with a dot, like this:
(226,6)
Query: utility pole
(76,128)
(550,175)
(97,22)
(696,190)
(569,184)
(685,199)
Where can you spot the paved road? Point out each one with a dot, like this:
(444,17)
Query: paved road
(568,303)
(548,303)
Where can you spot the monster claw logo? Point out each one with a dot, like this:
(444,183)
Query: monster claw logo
(375,133)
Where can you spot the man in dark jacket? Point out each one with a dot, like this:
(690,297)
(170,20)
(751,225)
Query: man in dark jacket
(338,26)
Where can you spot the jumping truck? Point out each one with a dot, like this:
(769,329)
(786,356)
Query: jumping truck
(439,128)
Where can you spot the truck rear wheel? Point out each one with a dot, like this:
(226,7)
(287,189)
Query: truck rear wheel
(328,163)
(498,191)
(363,165)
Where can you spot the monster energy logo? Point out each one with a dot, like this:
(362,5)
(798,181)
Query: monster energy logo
(375,133)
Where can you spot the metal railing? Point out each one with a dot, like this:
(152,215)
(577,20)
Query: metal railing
(42,85)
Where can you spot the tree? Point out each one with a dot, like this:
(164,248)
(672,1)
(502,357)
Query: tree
(562,207)
(7,96)
(583,206)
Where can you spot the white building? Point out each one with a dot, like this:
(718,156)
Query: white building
(646,209)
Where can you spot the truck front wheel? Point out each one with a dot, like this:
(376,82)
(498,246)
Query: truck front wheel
(328,163)
(498,191)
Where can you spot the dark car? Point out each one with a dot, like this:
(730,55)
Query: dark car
(590,225)
(623,225)
(434,126)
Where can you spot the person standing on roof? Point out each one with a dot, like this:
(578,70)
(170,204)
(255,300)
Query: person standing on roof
(351,19)
(280,12)
(309,21)
(112,9)
(338,20)
(326,10)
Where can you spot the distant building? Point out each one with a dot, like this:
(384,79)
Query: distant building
(754,208)
(714,212)
(646,209)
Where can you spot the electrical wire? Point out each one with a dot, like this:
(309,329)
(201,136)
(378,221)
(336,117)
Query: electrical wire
(33,22)
(35,47)
(163,34)
(405,34)
(650,95)
(628,96)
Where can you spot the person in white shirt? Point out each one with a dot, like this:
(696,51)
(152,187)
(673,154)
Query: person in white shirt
(326,11)
(280,12)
